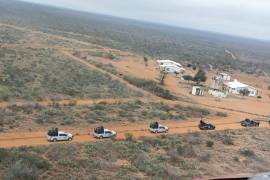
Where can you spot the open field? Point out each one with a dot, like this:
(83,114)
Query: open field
(208,154)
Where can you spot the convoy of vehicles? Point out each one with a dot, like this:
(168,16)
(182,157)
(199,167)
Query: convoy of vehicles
(154,127)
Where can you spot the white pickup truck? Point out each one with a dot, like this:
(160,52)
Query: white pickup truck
(100,132)
(155,127)
(55,135)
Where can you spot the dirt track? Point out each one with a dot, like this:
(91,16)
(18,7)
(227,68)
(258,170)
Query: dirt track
(8,140)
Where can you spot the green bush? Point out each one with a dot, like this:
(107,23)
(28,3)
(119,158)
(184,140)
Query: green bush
(186,151)
(227,140)
(129,137)
(68,163)
(209,143)
(205,157)
(247,152)
(21,171)
(221,114)
(151,86)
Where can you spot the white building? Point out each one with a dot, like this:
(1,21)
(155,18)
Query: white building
(235,87)
(223,77)
(217,93)
(197,91)
(168,63)
(172,69)
(170,66)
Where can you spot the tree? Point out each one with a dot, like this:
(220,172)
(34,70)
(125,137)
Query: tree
(163,75)
(244,92)
(145,61)
(200,76)
(187,77)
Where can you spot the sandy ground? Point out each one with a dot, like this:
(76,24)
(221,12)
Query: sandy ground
(250,105)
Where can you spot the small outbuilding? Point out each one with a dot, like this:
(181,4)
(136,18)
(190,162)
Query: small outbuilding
(197,91)
(170,66)
(168,62)
(217,93)
(223,77)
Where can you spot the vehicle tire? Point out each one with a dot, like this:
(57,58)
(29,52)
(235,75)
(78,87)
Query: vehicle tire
(156,132)
(100,137)
(69,139)
(54,140)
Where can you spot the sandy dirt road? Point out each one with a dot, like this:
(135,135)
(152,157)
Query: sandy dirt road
(17,139)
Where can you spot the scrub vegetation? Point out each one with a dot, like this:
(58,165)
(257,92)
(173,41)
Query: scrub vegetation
(38,74)
(72,114)
(169,157)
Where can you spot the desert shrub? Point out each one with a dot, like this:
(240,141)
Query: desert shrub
(209,143)
(4,154)
(110,55)
(91,150)
(151,86)
(187,77)
(35,161)
(67,120)
(236,159)
(227,140)
(205,157)
(193,139)
(5,93)
(72,103)
(144,164)
(221,114)
(56,152)
(21,171)
(259,97)
(129,137)
(68,163)
(196,111)
(247,153)
(186,151)
(72,79)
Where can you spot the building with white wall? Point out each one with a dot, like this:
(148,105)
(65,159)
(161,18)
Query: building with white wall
(169,63)
(236,87)
(197,91)
(171,66)
(223,77)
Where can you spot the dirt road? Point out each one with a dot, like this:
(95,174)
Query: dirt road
(16,139)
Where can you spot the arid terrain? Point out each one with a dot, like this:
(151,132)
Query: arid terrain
(73,81)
